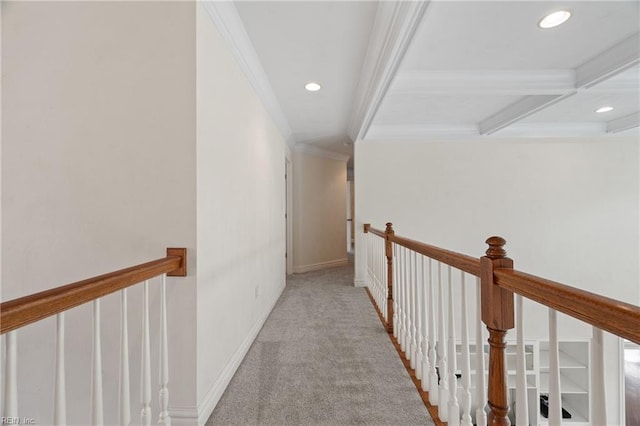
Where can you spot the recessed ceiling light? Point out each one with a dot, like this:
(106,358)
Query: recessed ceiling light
(605,109)
(312,87)
(554,19)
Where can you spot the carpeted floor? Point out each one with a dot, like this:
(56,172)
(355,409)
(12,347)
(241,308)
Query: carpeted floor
(322,358)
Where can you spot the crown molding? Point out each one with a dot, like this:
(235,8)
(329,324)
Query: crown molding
(475,82)
(624,123)
(518,110)
(319,152)
(615,59)
(426,133)
(379,132)
(393,30)
(225,17)
(552,130)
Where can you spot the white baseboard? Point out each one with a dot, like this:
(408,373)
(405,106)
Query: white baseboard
(184,416)
(359,282)
(213,395)
(321,265)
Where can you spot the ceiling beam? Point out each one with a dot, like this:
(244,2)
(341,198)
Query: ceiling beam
(624,123)
(615,59)
(393,30)
(517,111)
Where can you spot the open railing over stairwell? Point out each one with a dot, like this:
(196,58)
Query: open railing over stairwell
(26,310)
(409,280)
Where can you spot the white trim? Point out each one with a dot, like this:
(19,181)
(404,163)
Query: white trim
(184,416)
(621,124)
(517,111)
(225,17)
(455,82)
(553,130)
(393,30)
(388,133)
(319,152)
(213,395)
(360,283)
(613,60)
(320,265)
(420,132)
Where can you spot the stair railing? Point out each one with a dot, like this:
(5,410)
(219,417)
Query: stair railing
(421,286)
(23,311)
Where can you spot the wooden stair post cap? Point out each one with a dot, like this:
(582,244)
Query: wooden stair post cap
(496,248)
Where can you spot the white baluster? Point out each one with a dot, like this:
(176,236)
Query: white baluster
(555,404)
(443,407)
(424,321)
(374,265)
(382,279)
(419,315)
(97,416)
(522,406)
(598,404)
(403,283)
(434,392)
(412,312)
(369,260)
(454,408)
(407,304)
(481,398)
(59,394)
(465,361)
(401,313)
(164,417)
(145,385)
(124,394)
(396,324)
(11,375)
(369,257)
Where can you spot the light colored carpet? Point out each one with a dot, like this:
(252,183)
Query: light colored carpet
(322,358)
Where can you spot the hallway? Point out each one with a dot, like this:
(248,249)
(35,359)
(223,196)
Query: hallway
(322,357)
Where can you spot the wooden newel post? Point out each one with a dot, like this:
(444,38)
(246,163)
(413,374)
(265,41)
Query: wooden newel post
(497,314)
(389,232)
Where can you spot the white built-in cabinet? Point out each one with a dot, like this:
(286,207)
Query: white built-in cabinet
(531,355)
(574,378)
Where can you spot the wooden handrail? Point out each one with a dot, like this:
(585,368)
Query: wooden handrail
(461,261)
(499,282)
(608,314)
(26,310)
(619,318)
(379,233)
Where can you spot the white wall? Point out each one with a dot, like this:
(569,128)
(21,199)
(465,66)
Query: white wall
(241,214)
(568,209)
(98,155)
(319,212)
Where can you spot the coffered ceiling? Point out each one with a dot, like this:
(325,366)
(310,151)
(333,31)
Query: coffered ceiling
(396,70)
